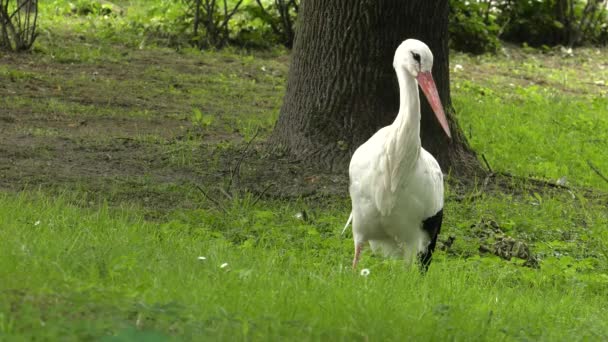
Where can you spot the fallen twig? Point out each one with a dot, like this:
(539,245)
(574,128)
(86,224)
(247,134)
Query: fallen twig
(237,167)
(217,204)
(483,156)
(225,193)
(261,194)
(597,170)
(497,177)
(535,181)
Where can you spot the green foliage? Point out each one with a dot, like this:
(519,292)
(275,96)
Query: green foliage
(80,8)
(88,7)
(533,22)
(565,22)
(472,27)
(161,22)
(476,26)
(264,22)
(211,21)
(252,27)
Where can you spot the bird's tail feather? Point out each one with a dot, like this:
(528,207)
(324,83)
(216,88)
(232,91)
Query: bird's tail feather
(350,219)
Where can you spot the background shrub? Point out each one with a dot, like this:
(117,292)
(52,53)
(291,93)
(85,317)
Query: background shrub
(472,27)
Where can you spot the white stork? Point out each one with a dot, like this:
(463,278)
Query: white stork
(396,186)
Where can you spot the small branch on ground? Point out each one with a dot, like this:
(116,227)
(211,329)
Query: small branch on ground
(484,185)
(225,193)
(497,176)
(237,168)
(483,156)
(536,181)
(597,171)
(217,204)
(258,197)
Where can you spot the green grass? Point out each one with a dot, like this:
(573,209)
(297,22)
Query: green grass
(549,131)
(115,254)
(77,273)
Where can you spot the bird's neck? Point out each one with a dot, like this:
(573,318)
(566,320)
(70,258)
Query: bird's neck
(407,122)
(403,143)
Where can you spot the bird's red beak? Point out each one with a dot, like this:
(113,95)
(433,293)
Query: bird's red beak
(426,82)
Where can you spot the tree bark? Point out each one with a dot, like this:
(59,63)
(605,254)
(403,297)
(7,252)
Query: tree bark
(342,87)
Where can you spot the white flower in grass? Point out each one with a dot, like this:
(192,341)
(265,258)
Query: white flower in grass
(364,272)
(202,258)
(224,265)
(37,223)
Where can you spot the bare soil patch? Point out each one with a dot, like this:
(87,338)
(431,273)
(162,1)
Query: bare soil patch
(77,125)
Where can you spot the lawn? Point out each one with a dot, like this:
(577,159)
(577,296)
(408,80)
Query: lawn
(108,139)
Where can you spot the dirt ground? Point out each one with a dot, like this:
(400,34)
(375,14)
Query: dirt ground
(53,137)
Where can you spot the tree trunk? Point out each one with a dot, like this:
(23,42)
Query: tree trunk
(342,87)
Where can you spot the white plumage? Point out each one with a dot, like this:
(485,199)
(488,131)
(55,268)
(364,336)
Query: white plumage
(396,186)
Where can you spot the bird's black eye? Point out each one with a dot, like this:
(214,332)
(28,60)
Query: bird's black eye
(416,57)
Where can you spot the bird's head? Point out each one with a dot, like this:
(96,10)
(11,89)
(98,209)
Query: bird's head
(416,58)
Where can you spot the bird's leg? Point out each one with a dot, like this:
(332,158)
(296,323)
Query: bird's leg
(409,256)
(358,248)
